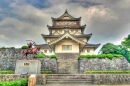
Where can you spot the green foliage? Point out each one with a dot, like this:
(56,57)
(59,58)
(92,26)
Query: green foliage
(22,82)
(107,72)
(46,72)
(126,41)
(123,49)
(109,48)
(53,56)
(40,55)
(12,47)
(82,56)
(87,56)
(100,56)
(93,56)
(24,47)
(110,56)
(43,56)
(3,47)
(6,71)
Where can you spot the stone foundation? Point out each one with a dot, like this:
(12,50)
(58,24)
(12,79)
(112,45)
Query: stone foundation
(67,63)
(8,58)
(86,79)
(103,64)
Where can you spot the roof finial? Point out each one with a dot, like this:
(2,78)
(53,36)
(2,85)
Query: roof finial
(66,11)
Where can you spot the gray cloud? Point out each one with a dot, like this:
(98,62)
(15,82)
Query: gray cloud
(108,20)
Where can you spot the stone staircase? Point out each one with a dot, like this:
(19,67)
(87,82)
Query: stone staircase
(68,79)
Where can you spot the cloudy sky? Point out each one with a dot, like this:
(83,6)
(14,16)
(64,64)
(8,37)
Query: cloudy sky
(21,20)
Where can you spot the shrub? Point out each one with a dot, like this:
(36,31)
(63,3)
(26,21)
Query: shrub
(12,47)
(107,72)
(100,56)
(109,56)
(82,56)
(117,55)
(53,56)
(24,47)
(93,56)
(22,82)
(6,71)
(40,55)
(88,56)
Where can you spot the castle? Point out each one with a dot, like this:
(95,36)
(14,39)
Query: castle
(66,35)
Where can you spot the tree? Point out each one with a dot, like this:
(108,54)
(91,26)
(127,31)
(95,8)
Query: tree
(24,47)
(126,42)
(123,49)
(126,45)
(109,48)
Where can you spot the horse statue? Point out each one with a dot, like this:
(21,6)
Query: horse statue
(30,51)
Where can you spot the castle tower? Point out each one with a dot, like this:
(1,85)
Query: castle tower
(68,41)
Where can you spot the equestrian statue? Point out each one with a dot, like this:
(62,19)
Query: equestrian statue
(30,50)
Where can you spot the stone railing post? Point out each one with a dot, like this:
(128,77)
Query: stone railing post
(32,80)
(44,78)
(96,79)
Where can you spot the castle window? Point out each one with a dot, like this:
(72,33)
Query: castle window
(45,51)
(88,50)
(66,47)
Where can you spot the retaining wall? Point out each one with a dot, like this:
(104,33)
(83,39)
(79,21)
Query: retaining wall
(8,58)
(66,62)
(97,79)
(103,64)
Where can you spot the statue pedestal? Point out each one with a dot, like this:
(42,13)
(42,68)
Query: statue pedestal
(28,67)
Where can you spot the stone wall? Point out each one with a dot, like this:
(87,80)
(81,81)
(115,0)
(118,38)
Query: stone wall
(8,58)
(103,64)
(86,79)
(111,79)
(67,63)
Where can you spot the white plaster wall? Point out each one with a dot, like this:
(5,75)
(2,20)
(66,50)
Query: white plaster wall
(48,53)
(91,51)
(75,47)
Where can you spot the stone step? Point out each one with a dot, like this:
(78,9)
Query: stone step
(70,79)
(67,82)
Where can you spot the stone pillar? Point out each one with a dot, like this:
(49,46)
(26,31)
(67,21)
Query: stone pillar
(32,80)
(67,63)
(44,79)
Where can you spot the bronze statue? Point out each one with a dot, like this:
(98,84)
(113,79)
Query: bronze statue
(30,50)
(30,45)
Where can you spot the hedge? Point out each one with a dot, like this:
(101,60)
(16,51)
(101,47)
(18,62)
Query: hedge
(22,82)
(101,56)
(12,72)
(6,71)
(107,72)
(40,55)
(45,56)
(24,47)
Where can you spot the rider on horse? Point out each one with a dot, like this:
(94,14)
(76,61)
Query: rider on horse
(30,46)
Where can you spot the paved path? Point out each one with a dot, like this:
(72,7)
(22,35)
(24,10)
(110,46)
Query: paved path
(77,85)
